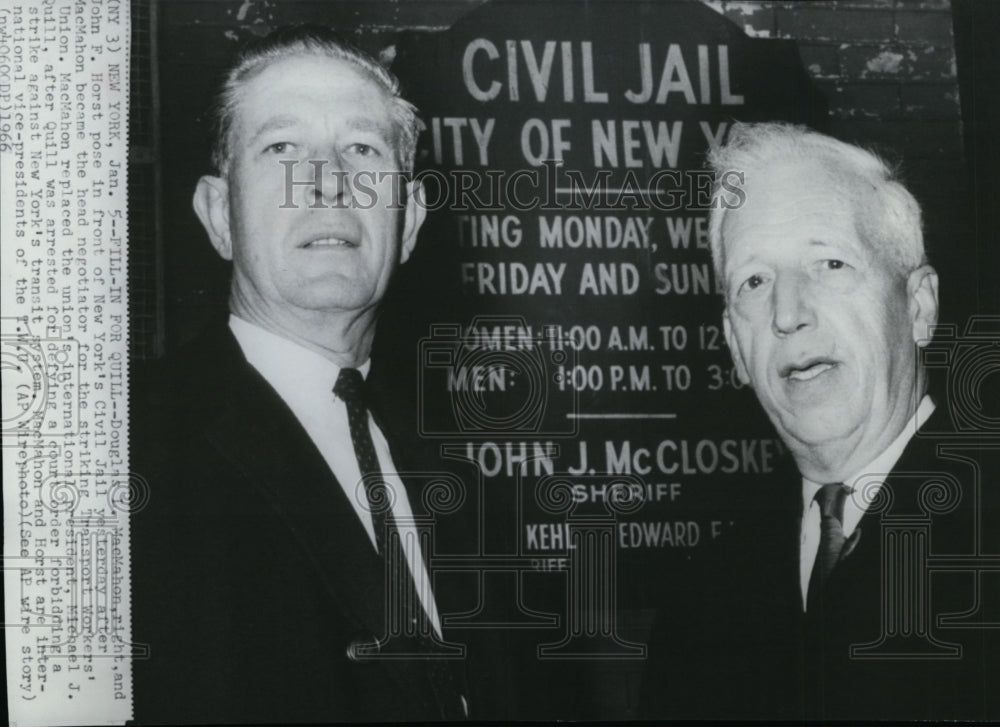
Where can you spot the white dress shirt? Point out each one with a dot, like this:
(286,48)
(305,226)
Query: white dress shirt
(854,510)
(304,379)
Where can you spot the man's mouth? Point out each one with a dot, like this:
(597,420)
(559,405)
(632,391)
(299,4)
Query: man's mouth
(327,242)
(807,370)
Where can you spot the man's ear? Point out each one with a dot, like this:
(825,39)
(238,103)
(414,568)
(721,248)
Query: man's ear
(211,204)
(413,218)
(734,349)
(922,292)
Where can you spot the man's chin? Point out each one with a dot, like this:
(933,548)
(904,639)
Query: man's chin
(326,298)
(820,423)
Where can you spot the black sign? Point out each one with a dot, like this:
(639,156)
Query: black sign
(572,341)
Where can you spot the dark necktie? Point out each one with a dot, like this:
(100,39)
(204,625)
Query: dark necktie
(831,538)
(350,387)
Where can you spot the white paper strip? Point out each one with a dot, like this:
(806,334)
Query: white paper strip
(64,84)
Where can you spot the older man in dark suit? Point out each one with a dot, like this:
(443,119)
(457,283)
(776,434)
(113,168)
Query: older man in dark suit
(820,604)
(259,566)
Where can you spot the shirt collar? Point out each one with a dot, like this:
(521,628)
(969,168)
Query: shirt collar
(295,371)
(885,461)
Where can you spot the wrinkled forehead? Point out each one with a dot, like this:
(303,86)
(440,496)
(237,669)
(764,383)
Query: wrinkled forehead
(316,86)
(795,202)
(784,185)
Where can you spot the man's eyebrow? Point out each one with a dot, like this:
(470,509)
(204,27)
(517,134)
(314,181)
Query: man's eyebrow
(733,260)
(357,123)
(845,246)
(282,121)
(369,124)
(733,267)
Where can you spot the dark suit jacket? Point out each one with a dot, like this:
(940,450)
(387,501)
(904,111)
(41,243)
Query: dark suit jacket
(252,576)
(738,646)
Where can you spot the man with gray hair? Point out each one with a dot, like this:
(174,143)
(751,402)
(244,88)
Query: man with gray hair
(262,564)
(829,299)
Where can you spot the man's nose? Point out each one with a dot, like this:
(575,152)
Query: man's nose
(793,309)
(332,182)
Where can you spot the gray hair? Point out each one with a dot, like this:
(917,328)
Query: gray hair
(306,40)
(889,216)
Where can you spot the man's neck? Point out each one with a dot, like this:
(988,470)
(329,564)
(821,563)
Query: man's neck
(345,338)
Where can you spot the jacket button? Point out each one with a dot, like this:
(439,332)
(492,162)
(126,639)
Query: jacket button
(362,646)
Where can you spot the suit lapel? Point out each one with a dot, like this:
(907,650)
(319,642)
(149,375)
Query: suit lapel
(391,410)
(398,425)
(862,567)
(789,555)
